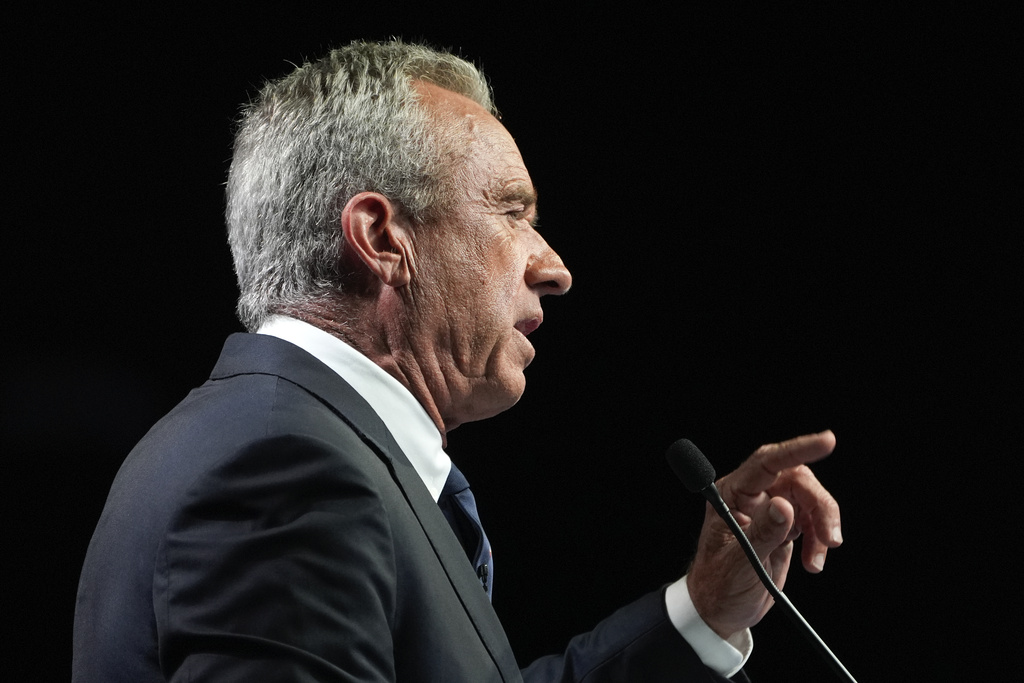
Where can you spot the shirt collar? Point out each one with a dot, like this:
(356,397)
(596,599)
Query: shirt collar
(414,431)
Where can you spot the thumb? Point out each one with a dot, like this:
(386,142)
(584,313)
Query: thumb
(770,527)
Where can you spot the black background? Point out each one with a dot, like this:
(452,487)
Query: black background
(778,221)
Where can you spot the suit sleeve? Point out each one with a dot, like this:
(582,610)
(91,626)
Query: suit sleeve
(310,540)
(636,643)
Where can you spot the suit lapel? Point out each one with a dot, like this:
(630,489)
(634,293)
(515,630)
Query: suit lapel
(252,353)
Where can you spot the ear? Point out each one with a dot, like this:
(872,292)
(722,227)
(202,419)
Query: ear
(378,237)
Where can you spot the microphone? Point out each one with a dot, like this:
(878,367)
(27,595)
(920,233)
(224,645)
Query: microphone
(698,475)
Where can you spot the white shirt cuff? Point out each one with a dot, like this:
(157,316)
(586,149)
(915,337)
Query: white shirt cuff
(726,657)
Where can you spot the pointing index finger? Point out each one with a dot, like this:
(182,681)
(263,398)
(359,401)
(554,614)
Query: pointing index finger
(762,469)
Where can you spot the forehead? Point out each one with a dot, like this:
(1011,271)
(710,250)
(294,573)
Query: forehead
(484,150)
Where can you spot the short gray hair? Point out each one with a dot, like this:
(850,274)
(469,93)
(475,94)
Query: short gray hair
(348,123)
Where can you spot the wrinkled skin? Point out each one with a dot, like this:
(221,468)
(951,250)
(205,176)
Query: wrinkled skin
(776,499)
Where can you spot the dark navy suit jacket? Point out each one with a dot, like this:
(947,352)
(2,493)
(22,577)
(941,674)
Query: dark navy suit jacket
(269,528)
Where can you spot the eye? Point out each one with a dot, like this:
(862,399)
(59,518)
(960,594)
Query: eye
(521,213)
(516,215)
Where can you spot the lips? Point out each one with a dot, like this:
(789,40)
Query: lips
(528,325)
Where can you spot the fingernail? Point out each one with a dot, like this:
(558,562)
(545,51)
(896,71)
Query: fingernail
(837,535)
(776,514)
(818,561)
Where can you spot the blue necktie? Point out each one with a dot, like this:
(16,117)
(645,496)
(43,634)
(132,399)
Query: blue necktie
(459,508)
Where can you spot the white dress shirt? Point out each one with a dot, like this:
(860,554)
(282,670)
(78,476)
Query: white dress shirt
(417,436)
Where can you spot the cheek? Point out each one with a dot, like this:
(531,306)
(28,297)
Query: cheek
(509,271)
(498,284)
(490,286)
(504,291)
(489,329)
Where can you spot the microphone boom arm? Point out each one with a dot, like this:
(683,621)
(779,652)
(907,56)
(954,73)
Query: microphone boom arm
(697,474)
(715,498)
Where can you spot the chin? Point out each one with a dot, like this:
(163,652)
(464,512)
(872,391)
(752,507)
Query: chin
(495,397)
(508,398)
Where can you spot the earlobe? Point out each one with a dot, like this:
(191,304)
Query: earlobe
(378,237)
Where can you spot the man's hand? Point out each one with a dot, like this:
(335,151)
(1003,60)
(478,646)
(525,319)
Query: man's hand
(775,498)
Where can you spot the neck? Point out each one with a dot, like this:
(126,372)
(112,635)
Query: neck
(389,346)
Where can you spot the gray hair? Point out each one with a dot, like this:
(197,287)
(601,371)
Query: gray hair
(348,123)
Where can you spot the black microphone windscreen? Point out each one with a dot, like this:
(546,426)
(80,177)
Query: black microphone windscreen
(690,465)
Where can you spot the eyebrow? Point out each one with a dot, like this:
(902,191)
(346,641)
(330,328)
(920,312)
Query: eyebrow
(520,192)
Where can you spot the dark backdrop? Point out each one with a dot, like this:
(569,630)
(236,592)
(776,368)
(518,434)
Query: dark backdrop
(779,221)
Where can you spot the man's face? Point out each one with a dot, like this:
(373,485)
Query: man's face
(483,268)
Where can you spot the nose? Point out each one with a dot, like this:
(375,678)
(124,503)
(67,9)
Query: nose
(546,273)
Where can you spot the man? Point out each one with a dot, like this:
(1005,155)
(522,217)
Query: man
(295,518)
